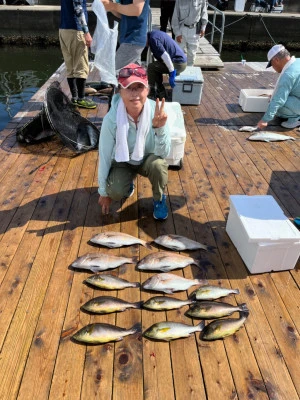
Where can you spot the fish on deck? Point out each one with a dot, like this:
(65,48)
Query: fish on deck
(117,239)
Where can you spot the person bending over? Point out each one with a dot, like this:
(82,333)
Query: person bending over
(134,139)
(170,58)
(285,101)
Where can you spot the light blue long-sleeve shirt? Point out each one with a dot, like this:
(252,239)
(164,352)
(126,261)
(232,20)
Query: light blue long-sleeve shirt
(288,88)
(157,141)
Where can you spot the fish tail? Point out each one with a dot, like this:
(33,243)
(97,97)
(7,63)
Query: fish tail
(243,307)
(147,245)
(138,304)
(134,259)
(136,284)
(211,249)
(200,326)
(236,291)
(244,313)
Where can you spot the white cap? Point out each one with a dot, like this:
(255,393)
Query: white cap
(272,53)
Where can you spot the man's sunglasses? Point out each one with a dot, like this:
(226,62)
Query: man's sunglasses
(127,72)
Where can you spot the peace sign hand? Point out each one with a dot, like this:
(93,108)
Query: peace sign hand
(160,117)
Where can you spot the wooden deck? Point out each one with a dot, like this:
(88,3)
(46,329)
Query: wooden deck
(49,211)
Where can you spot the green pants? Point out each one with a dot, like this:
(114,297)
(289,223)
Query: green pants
(122,174)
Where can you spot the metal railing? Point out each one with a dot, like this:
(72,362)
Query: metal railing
(214,27)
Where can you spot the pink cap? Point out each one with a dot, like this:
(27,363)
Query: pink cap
(132,73)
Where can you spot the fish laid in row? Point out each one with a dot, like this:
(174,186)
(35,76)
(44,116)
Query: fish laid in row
(220,328)
(269,137)
(101,262)
(110,282)
(165,261)
(117,239)
(108,304)
(169,283)
(171,330)
(102,333)
(163,303)
(179,243)
(213,309)
(211,292)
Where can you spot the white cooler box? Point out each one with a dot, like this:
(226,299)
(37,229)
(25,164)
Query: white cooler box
(255,100)
(189,85)
(265,238)
(178,133)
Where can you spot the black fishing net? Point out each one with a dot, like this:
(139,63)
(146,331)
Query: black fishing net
(75,131)
(59,117)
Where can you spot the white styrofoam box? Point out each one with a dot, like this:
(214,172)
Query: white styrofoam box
(239,5)
(189,85)
(265,238)
(177,132)
(255,100)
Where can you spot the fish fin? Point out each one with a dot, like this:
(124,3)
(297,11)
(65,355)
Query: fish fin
(134,259)
(136,284)
(164,269)
(94,269)
(168,291)
(236,291)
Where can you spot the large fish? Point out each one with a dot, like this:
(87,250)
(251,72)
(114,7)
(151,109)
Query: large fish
(101,262)
(213,309)
(160,303)
(165,261)
(179,243)
(221,328)
(117,239)
(169,283)
(210,292)
(171,330)
(269,137)
(102,333)
(110,282)
(108,304)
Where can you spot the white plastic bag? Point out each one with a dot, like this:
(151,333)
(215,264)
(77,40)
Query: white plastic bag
(104,45)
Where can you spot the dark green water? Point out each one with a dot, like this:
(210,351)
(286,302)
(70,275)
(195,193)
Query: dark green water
(22,72)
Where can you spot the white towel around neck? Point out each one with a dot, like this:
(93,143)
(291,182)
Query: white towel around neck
(288,64)
(122,152)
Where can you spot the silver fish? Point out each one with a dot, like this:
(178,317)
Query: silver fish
(169,283)
(102,333)
(117,239)
(165,261)
(161,303)
(248,129)
(269,137)
(171,330)
(110,282)
(221,328)
(178,243)
(108,304)
(213,309)
(101,262)
(210,292)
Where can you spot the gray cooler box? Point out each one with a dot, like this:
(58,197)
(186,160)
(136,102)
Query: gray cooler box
(189,85)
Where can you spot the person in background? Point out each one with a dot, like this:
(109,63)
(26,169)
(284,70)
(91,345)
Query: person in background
(133,29)
(134,139)
(186,16)
(285,101)
(74,38)
(170,58)
(166,14)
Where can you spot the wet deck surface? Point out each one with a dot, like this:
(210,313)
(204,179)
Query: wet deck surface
(49,212)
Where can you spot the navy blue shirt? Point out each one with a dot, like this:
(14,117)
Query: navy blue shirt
(133,30)
(74,15)
(160,42)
